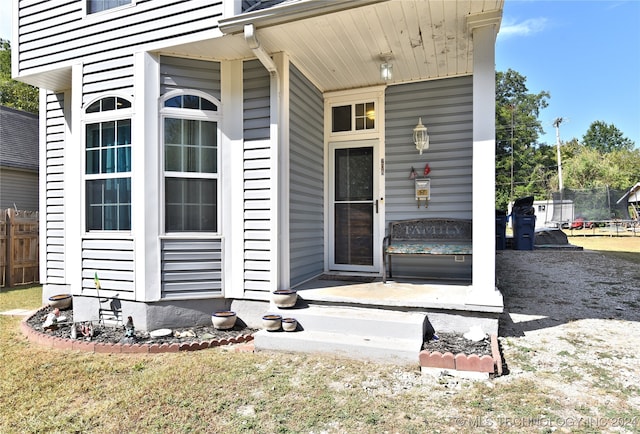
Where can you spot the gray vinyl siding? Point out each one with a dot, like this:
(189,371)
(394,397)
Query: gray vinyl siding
(306,154)
(257,102)
(191,268)
(446,109)
(257,175)
(110,75)
(112,261)
(18,189)
(58,31)
(54,194)
(258,216)
(180,73)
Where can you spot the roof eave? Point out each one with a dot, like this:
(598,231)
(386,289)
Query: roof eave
(276,15)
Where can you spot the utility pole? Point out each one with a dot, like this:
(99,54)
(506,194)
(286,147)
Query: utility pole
(513,108)
(556,124)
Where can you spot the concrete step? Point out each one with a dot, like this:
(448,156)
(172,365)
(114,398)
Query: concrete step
(358,322)
(375,348)
(364,333)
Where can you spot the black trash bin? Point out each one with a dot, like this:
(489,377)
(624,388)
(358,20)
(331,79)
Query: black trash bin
(501,228)
(523,222)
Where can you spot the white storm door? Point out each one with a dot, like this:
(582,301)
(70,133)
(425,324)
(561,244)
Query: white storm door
(354,207)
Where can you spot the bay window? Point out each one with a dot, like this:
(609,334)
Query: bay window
(190,140)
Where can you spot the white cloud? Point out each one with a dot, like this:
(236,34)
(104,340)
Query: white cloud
(524,28)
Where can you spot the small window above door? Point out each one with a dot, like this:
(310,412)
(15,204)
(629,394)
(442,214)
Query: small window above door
(353,117)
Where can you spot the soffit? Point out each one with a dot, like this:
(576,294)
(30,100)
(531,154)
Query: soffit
(427,39)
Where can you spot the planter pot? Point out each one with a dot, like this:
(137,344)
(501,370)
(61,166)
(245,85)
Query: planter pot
(224,319)
(289,324)
(284,297)
(60,301)
(272,322)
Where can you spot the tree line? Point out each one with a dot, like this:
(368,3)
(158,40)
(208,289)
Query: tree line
(525,167)
(14,93)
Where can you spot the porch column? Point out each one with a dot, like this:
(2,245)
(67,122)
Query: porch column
(283,280)
(145,220)
(484,28)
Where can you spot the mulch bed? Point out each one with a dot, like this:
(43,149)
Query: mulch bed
(113,335)
(455,344)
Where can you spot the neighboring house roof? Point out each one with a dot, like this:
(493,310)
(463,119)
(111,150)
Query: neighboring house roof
(19,138)
(632,194)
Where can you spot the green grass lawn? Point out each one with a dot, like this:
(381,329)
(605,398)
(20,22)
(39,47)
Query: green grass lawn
(218,390)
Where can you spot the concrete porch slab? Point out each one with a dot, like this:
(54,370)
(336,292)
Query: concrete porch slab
(398,293)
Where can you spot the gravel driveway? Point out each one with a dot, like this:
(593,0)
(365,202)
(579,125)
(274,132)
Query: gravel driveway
(572,325)
(544,289)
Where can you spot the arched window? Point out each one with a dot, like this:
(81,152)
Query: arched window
(190,138)
(107,124)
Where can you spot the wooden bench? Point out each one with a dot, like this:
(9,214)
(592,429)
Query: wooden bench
(428,236)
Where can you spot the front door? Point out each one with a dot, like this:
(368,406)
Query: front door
(355,207)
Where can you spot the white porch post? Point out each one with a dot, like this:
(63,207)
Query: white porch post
(145,221)
(483,28)
(73,184)
(283,281)
(232,179)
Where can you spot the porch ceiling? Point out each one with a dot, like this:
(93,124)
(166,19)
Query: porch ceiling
(342,49)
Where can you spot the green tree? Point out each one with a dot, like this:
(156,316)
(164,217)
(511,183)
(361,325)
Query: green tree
(586,168)
(606,138)
(14,93)
(521,164)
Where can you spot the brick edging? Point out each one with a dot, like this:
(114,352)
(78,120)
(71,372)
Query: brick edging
(126,348)
(463,362)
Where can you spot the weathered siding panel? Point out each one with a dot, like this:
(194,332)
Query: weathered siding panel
(179,73)
(54,169)
(57,31)
(446,110)
(306,154)
(257,103)
(191,268)
(113,262)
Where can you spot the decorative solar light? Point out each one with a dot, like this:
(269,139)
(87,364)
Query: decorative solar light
(420,137)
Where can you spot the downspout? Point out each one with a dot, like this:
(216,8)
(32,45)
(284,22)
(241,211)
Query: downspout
(280,272)
(254,44)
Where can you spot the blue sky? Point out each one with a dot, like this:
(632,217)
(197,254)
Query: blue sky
(586,54)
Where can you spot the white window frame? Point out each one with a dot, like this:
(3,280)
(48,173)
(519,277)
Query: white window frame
(99,117)
(190,114)
(104,11)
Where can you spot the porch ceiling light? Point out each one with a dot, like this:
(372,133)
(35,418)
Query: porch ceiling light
(420,137)
(386,68)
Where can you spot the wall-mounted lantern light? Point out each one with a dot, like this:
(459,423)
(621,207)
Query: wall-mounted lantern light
(420,137)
